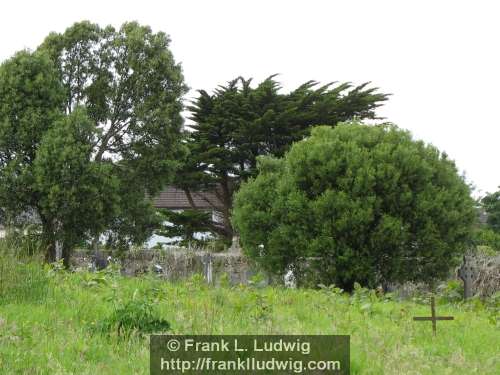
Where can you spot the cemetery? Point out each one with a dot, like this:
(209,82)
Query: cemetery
(132,206)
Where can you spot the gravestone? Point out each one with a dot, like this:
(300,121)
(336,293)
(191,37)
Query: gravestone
(433,318)
(289,279)
(207,267)
(58,251)
(99,261)
(235,245)
(468,274)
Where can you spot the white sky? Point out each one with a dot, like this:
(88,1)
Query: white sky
(439,59)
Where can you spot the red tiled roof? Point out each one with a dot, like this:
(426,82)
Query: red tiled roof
(176,199)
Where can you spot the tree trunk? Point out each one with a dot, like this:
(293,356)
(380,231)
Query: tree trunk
(50,251)
(49,241)
(66,255)
(190,198)
(228,228)
(54,247)
(227,201)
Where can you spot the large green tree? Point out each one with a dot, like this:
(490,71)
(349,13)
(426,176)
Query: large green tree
(102,107)
(31,98)
(132,88)
(356,203)
(239,122)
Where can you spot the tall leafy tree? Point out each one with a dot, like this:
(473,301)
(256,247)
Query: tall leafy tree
(31,100)
(239,122)
(132,89)
(90,126)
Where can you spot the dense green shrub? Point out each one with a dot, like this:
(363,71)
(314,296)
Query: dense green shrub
(356,203)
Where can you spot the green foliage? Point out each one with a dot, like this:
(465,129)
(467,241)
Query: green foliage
(452,291)
(364,299)
(258,280)
(238,123)
(356,203)
(331,289)
(493,303)
(132,87)
(384,337)
(91,280)
(137,315)
(89,128)
(31,98)
(261,310)
(487,240)
(184,224)
(22,279)
(74,191)
(491,204)
(23,241)
(224,281)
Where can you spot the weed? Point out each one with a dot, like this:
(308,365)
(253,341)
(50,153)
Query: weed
(137,315)
(22,279)
(451,291)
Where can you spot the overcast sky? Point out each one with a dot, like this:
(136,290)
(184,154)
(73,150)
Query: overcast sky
(439,59)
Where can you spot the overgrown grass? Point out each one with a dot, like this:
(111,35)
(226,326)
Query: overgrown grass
(22,276)
(63,335)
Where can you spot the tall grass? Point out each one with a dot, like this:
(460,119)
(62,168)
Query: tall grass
(22,275)
(62,335)
(97,323)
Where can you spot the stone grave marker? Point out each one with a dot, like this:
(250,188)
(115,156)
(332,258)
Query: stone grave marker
(468,274)
(207,267)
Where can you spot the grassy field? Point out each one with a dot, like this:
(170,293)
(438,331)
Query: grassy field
(69,326)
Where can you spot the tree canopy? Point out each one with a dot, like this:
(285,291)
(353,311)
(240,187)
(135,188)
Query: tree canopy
(30,103)
(238,122)
(356,203)
(90,125)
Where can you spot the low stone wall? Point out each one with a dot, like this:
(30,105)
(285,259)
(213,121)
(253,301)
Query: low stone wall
(179,263)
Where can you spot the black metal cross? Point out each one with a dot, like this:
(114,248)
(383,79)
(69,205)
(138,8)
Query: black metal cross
(433,318)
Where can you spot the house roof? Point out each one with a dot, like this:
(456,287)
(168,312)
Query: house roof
(175,199)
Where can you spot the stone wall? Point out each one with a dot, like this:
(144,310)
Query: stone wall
(177,263)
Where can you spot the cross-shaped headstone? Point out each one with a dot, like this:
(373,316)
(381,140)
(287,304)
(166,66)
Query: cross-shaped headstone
(433,316)
(468,274)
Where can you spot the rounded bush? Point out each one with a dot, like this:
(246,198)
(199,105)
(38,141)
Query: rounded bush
(356,203)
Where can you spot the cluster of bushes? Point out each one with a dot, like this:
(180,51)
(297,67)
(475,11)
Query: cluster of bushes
(340,203)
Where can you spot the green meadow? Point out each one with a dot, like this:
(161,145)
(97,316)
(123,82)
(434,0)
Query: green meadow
(57,322)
